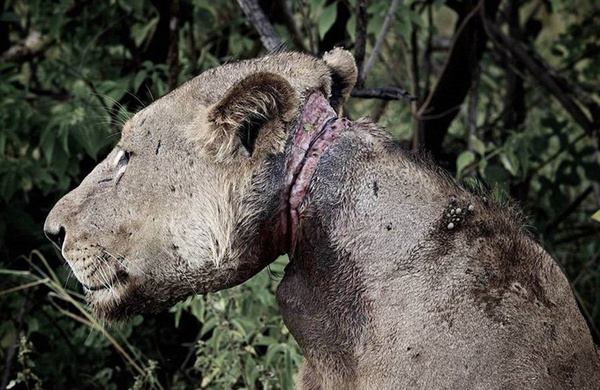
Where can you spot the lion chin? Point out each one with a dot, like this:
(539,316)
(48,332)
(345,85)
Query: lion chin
(123,301)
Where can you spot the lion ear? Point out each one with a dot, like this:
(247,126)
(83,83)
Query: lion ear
(251,116)
(343,76)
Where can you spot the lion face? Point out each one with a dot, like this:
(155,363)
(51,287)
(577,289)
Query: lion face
(189,200)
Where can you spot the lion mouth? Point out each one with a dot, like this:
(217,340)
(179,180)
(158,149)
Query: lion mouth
(87,288)
(108,286)
(318,128)
(119,279)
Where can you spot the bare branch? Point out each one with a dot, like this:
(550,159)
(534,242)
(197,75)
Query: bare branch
(568,210)
(291,25)
(361,38)
(379,110)
(380,38)
(263,26)
(542,72)
(473,107)
(383,93)
(414,64)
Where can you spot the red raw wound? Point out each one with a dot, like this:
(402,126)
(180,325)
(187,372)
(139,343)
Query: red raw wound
(317,129)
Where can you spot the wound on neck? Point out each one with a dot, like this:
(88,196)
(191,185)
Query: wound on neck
(317,129)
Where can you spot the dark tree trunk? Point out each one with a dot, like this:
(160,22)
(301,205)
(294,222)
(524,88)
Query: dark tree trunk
(336,36)
(158,48)
(445,100)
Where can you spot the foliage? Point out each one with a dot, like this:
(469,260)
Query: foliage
(94,63)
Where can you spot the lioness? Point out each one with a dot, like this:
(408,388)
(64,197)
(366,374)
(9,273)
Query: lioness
(398,278)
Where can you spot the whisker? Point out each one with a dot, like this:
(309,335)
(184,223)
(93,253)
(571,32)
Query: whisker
(104,278)
(125,264)
(137,98)
(69,274)
(149,91)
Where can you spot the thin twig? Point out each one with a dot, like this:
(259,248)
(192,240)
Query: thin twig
(568,210)
(414,64)
(540,71)
(263,26)
(308,27)
(383,93)
(473,107)
(291,25)
(380,38)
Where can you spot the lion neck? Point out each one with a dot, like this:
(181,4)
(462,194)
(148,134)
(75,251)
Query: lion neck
(368,209)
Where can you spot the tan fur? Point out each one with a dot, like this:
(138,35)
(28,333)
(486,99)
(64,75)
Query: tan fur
(344,72)
(126,128)
(197,220)
(389,286)
(257,97)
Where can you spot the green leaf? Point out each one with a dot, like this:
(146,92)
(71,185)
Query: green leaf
(208,326)
(47,142)
(140,32)
(478,145)
(273,351)
(510,162)
(139,78)
(327,19)
(465,159)
(596,216)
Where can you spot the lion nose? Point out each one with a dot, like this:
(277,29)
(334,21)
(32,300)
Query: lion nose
(57,236)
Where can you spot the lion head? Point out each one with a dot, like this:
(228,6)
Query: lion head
(190,199)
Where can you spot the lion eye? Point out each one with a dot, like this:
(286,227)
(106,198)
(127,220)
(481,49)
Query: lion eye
(121,161)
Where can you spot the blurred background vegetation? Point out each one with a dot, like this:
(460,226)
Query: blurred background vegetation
(506,92)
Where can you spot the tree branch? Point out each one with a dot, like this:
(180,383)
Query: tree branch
(383,93)
(361,39)
(568,210)
(291,25)
(542,72)
(263,26)
(380,38)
